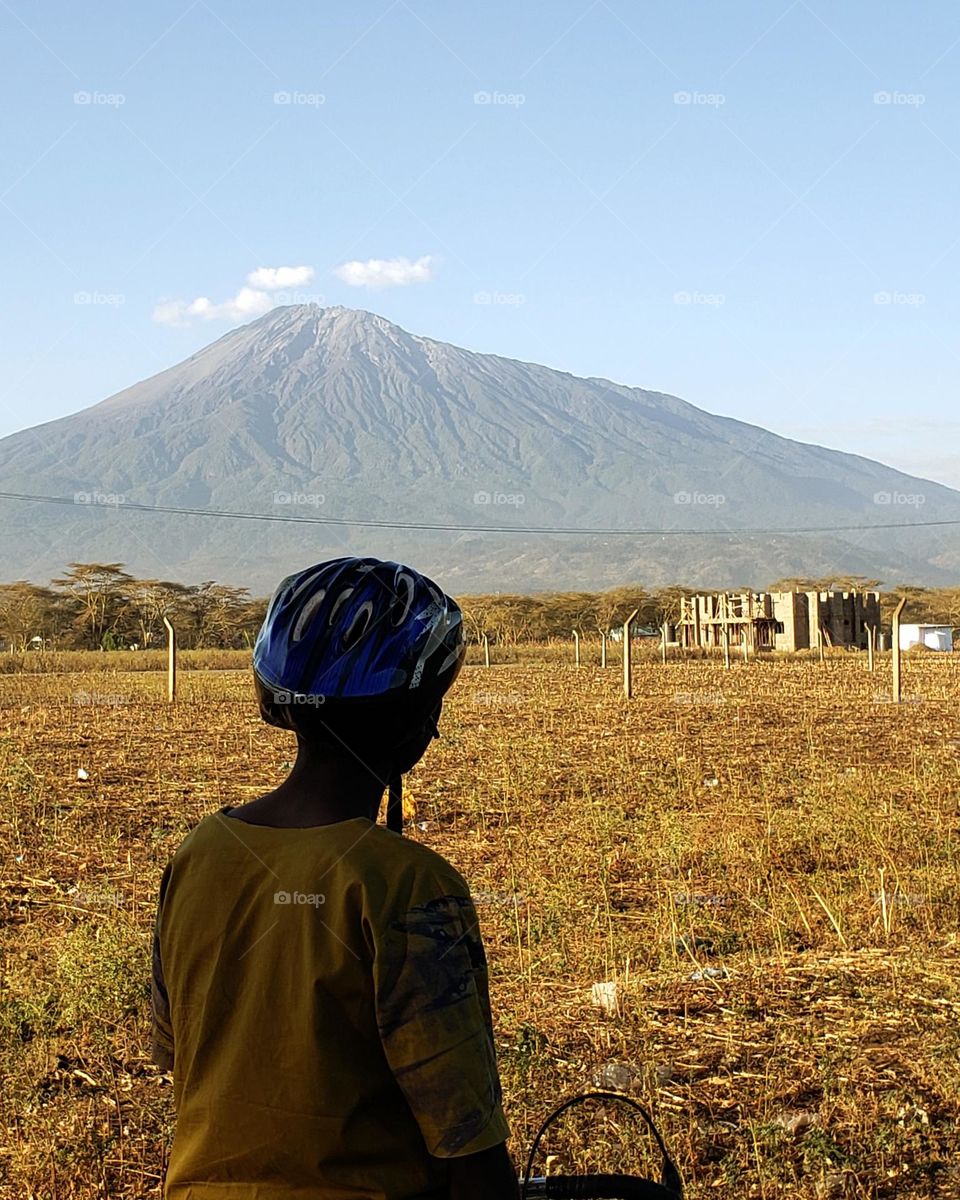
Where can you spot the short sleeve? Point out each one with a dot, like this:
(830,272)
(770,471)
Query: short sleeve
(433,1013)
(162,1028)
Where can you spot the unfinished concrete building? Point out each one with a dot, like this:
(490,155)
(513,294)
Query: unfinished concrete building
(778,620)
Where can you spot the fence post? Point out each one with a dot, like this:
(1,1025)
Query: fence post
(576,648)
(746,647)
(871,638)
(171,660)
(486,651)
(627,675)
(820,643)
(895,648)
(726,647)
(603,649)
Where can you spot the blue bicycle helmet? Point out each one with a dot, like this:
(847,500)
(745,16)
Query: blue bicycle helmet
(356,638)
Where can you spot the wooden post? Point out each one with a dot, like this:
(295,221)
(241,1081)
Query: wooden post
(603,649)
(486,651)
(171,660)
(576,648)
(627,676)
(663,642)
(726,646)
(895,647)
(871,638)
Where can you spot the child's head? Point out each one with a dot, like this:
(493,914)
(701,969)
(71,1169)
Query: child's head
(355,656)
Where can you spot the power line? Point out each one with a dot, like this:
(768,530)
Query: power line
(451,527)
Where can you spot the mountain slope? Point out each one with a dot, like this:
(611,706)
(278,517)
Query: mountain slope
(350,416)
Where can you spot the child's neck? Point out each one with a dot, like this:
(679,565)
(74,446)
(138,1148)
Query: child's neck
(322,789)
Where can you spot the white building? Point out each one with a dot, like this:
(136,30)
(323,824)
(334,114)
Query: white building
(934,637)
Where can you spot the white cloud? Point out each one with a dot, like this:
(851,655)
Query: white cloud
(244,306)
(271,278)
(250,302)
(385,272)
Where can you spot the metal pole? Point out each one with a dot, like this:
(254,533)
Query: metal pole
(171,660)
(895,647)
(627,676)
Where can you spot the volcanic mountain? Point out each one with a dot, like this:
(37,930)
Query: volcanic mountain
(338,414)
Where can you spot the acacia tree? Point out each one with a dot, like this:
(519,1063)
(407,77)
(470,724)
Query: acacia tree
(98,594)
(26,611)
(149,601)
(216,614)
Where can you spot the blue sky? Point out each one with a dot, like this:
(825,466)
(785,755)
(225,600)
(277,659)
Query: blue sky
(750,205)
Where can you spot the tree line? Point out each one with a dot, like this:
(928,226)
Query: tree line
(100,606)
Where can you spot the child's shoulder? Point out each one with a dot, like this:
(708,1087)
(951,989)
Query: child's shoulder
(407,863)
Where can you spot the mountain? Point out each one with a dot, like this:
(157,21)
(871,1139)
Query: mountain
(337,413)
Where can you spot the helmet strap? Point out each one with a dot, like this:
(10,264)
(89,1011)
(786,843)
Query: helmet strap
(395,804)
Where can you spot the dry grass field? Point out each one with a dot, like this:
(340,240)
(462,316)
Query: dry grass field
(764,862)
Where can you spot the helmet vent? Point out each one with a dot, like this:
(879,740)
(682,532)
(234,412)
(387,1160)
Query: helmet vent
(344,595)
(358,626)
(306,613)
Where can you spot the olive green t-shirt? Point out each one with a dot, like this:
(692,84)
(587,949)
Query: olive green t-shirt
(323,995)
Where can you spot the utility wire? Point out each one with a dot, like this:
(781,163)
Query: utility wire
(451,527)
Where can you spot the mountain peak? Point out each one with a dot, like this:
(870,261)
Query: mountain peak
(339,407)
